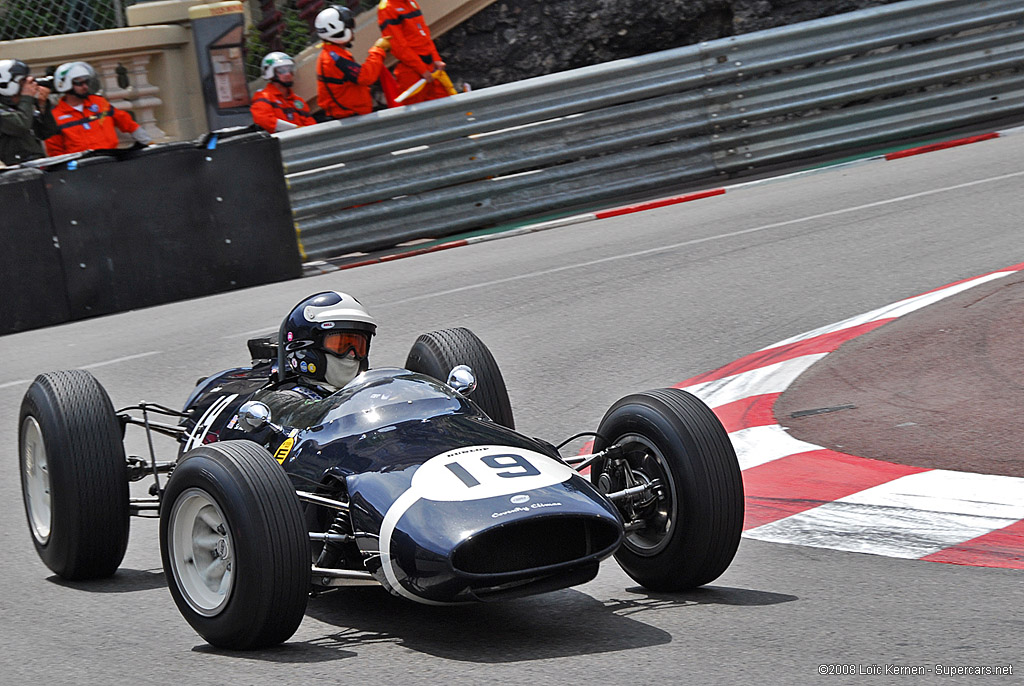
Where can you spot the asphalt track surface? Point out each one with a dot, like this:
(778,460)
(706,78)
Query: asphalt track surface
(577,317)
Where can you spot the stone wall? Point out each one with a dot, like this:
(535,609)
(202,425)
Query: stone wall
(517,39)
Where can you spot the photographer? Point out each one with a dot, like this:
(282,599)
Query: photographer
(25,115)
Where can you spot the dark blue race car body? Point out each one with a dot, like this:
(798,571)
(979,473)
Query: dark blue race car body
(398,479)
(444,504)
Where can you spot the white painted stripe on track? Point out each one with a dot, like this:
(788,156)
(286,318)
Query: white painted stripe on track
(943,490)
(698,241)
(910,517)
(251,334)
(894,310)
(121,359)
(94,365)
(773,378)
(757,445)
(878,530)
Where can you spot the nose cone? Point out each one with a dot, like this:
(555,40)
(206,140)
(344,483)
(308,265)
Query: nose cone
(492,522)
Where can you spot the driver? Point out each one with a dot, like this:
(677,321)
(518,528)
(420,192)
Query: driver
(322,344)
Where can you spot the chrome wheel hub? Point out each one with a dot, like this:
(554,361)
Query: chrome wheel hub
(35,480)
(201,552)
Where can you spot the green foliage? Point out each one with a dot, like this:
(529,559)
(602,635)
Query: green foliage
(296,37)
(32,19)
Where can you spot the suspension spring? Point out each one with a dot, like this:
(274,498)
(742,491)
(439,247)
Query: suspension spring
(332,550)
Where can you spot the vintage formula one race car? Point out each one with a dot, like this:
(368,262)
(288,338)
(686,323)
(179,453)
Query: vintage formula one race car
(413,479)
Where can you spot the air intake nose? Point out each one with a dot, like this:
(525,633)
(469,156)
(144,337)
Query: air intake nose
(532,544)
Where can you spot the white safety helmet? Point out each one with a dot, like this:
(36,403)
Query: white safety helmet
(336,24)
(272,61)
(68,72)
(12,73)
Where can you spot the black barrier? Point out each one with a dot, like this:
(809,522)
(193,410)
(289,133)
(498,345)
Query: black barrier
(128,232)
(249,210)
(172,222)
(32,292)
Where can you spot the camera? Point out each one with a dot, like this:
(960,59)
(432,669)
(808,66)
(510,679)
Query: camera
(45,81)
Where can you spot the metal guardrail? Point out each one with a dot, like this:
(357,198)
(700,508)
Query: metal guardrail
(655,122)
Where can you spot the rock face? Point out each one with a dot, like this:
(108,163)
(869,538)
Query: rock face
(517,39)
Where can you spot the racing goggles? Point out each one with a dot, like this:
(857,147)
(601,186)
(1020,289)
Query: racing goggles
(343,342)
(281,71)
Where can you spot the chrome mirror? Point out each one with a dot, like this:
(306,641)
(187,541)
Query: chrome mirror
(253,415)
(462,379)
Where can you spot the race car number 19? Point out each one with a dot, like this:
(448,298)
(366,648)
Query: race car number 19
(521,464)
(485,472)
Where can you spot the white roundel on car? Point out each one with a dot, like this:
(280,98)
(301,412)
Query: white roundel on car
(486,471)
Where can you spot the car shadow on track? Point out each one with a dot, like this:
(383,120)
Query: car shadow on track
(705,595)
(124,581)
(560,624)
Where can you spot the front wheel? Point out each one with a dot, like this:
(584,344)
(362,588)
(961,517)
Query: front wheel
(74,476)
(438,352)
(687,533)
(234,546)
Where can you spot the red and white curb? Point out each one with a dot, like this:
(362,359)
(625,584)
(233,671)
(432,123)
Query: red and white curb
(317,267)
(804,494)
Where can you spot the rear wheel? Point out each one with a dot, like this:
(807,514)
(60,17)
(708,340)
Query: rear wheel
(74,476)
(687,533)
(438,352)
(234,545)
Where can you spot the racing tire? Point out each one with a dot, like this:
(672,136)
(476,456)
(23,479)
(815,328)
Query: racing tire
(74,476)
(438,352)
(234,546)
(693,530)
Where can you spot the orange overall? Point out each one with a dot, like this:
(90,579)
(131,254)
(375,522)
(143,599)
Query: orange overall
(343,86)
(275,103)
(402,22)
(90,129)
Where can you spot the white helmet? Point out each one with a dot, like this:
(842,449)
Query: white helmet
(336,24)
(272,61)
(12,73)
(69,71)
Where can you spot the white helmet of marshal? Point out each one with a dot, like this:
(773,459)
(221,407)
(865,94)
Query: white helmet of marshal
(272,61)
(69,71)
(336,24)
